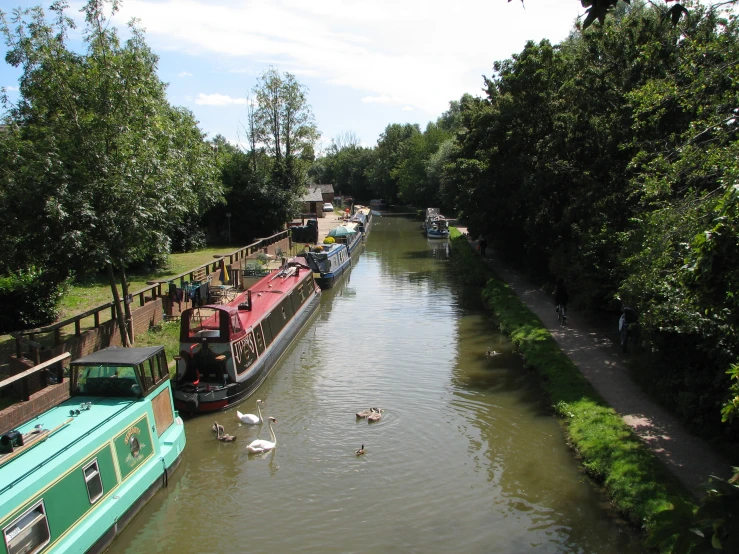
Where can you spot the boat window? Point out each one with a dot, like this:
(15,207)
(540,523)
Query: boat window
(162,368)
(276,323)
(29,533)
(93,481)
(288,308)
(267,329)
(204,322)
(106,380)
(145,374)
(235,323)
(151,367)
(259,338)
(295,302)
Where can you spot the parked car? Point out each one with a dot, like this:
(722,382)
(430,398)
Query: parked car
(328,207)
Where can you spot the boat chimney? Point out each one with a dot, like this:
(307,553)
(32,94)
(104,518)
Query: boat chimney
(247,305)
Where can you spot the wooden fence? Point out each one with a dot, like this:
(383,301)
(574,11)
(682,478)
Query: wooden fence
(31,338)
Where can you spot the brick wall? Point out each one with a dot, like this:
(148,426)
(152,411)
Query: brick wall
(20,412)
(42,396)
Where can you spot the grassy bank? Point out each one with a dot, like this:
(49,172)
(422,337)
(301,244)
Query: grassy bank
(636,481)
(93,291)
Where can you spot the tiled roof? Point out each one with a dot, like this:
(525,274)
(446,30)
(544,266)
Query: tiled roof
(313,194)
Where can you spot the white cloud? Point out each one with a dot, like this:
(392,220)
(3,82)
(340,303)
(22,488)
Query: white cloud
(417,53)
(383,99)
(184,74)
(407,109)
(11,88)
(218,100)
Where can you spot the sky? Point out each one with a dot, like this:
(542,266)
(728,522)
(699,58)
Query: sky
(366,64)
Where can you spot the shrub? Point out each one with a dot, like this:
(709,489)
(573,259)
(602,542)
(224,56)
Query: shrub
(30,298)
(329,240)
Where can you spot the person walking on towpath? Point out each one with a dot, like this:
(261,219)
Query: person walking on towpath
(482,245)
(593,351)
(561,296)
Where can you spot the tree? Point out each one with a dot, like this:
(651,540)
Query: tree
(391,151)
(121,166)
(599,9)
(283,122)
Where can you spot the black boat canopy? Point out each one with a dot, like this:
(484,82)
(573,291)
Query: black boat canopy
(114,355)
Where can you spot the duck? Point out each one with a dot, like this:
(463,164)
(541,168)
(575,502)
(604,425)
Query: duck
(491,353)
(259,445)
(366,413)
(359,451)
(251,419)
(222,436)
(217,428)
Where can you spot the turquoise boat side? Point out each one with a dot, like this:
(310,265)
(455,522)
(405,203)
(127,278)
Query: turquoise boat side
(53,470)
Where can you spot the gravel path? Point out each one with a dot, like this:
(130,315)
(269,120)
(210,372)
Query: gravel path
(592,349)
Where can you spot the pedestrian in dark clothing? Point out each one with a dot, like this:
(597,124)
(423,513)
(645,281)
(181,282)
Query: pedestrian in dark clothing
(625,326)
(561,295)
(483,244)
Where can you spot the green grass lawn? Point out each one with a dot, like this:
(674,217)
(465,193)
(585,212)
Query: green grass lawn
(95,291)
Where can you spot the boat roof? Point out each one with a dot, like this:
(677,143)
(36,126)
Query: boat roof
(265,293)
(327,250)
(73,437)
(114,355)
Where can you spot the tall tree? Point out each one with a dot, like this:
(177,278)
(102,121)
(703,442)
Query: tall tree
(285,125)
(123,166)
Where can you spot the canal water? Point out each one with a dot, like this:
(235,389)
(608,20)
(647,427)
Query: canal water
(466,457)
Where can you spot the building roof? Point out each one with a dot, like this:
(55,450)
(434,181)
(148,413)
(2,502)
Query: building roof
(326,189)
(313,194)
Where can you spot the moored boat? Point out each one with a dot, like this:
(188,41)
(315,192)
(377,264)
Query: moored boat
(328,262)
(378,204)
(349,235)
(362,217)
(436,226)
(73,477)
(227,350)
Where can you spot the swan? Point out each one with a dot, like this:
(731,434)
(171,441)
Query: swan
(251,419)
(360,451)
(222,436)
(258,446)
(217,428)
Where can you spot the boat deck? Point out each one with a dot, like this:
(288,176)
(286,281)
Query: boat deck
(63,432)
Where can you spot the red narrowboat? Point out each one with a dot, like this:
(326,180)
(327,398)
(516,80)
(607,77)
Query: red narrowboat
(227,350)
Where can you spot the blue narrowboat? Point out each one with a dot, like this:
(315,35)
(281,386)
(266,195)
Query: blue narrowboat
(328,262)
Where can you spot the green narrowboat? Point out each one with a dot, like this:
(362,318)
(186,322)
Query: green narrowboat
(73,477)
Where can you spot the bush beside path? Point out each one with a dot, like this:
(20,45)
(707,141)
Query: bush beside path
(643,457)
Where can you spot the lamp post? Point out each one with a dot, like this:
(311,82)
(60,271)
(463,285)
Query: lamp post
(228,217)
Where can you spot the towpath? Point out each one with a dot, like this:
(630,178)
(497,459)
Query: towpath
(595,352)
